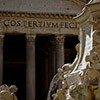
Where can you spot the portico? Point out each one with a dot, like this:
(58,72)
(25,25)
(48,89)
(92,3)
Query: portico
(40,36)
(54,29)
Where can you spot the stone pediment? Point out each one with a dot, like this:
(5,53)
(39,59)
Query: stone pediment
(54,6)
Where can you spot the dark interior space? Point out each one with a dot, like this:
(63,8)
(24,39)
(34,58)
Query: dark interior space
(14,65)
(44,65)
(70,51)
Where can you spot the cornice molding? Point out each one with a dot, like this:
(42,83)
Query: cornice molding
(35,15)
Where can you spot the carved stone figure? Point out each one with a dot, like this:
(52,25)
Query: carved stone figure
(7,93)
(12,90)
(81,92)
(90,89)
(61,93)
(93,72)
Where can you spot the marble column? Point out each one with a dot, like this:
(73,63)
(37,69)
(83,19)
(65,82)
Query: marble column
(1,57)
(53,56)
(59,51)
(30,68)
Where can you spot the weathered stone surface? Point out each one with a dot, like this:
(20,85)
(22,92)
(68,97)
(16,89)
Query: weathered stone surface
(53,6)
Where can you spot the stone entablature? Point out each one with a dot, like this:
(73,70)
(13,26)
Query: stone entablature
(37,23)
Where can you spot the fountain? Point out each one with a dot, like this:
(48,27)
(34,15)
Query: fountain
(81,79)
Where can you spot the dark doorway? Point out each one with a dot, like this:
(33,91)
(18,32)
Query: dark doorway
(45,65)
(14,66)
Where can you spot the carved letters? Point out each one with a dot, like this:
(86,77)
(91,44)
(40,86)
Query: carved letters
(37,24)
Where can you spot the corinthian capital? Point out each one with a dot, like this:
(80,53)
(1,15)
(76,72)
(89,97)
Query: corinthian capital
(30,39)
(60,39)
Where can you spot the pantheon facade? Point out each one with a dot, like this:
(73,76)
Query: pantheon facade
(36,38)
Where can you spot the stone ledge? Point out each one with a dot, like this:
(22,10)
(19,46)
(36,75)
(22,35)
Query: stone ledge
(35,15)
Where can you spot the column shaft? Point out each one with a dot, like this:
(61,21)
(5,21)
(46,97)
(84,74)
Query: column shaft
(30,70)
(1,58)
(59,50)
(53,56)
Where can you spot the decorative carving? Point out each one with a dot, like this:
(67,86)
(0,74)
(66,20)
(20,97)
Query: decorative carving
(60,40)
(35,15)
(30,39)
(82,92)
(90,87)
(7,93)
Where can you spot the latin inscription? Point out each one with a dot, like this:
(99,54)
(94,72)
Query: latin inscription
(38,24)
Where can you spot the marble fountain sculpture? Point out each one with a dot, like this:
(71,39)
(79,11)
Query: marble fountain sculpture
(81,79)
(7,93)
